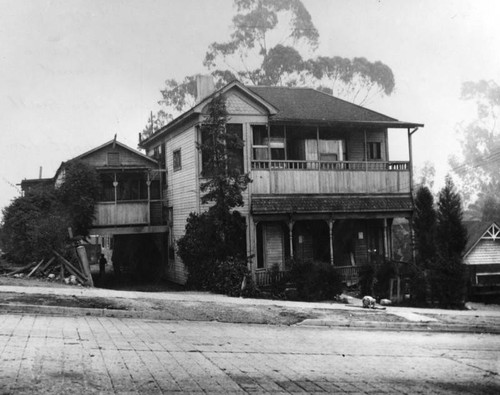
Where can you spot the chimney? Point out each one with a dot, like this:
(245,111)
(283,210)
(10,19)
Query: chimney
(40,173)
(204,87)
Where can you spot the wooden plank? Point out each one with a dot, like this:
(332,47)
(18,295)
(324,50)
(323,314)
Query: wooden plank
(35,268)
(22,269)
(71,268)
(47,264)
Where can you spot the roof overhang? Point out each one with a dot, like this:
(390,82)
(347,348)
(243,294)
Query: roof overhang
(341,205)
(354,124)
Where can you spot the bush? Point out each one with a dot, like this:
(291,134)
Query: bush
(367,279)
(228,276)
(316,280)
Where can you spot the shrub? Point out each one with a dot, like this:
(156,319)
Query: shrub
(367,279)
(228,276)
(316,280)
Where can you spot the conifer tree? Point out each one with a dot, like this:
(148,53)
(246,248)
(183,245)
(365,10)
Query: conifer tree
(448,272)
(424,226)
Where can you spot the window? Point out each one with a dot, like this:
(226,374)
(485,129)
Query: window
(268,144)
(113,159)
(177,160)
(374,150)
(107,193)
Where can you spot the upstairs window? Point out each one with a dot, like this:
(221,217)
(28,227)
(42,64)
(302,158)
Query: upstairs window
(177,160)
(113,159)
(268,144)
(374,150)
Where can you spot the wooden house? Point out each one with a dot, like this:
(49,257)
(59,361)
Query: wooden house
(324,187)
(482,257)
(130,220)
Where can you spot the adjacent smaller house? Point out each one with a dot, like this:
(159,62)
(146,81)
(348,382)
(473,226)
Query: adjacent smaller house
(130,218)
(482,256)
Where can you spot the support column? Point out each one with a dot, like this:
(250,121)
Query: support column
(290,223)
(330,228)
(386,240)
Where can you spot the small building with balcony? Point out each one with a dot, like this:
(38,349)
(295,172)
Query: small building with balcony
(130,219)
(323,185)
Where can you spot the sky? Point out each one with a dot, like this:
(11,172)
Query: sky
(75,73)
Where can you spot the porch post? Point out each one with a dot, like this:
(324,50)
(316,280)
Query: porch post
(148,183)
(330,228)
(291,222)
(386,240)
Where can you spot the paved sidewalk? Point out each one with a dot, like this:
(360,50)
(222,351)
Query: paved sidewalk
(393,318)
(100,355)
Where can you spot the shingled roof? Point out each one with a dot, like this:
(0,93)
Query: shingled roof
(329,204)
(310,105)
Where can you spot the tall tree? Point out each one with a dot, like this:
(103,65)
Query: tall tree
(424,226)
(213,247)
(274,42)
(477,168)
(448,277)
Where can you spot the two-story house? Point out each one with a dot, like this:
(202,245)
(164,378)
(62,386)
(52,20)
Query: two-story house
(323,189)
(130,220)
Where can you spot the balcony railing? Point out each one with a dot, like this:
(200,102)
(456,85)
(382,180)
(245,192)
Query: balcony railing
(319,177)
(321,165)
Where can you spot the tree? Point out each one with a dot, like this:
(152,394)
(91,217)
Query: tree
(448,272)
(424,226)
(78,194)
(477,168)
(272,43)
(213,247)
(34,225)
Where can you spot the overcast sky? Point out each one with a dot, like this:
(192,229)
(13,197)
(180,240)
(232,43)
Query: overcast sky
(74,73)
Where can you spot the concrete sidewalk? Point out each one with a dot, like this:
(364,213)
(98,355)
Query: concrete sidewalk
(418,319)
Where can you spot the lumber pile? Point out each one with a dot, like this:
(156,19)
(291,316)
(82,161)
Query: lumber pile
(58,268)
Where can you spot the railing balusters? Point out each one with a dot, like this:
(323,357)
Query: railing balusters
(335,166)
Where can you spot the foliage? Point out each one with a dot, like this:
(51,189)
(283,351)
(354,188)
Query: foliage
(427,174)
(78,194)
(224,183)
(424,227)
(477,168)
(32,226)
(214,244)
(35,224)
(315,280)
(448,272)
(367,279)
(272,43)
(227,278)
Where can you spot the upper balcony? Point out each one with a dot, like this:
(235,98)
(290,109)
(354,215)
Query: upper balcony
(335,177)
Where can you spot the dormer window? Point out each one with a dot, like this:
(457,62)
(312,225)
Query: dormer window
(113,159)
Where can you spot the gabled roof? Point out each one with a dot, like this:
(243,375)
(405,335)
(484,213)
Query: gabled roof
(198,108)
(306,104)
(286,104)
(115,142)
(109,143)
(476,230)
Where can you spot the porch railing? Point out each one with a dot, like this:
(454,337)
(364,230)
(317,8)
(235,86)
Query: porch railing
(348,274)
(268,277)
(322,165)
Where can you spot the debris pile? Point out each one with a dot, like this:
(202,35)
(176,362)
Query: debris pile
(58,268)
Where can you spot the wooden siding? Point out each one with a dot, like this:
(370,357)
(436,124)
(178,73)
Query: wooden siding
(485,252)
(183,191)
(325,182)
(129,213)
